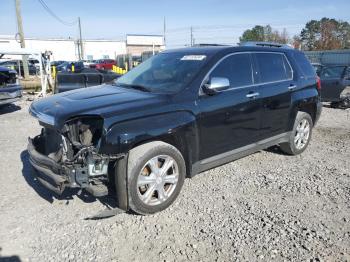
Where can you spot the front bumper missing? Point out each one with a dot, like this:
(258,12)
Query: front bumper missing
(56,177)
(49,173)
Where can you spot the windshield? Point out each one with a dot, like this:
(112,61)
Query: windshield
(163,73)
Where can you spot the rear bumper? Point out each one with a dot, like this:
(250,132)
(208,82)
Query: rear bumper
(49,173)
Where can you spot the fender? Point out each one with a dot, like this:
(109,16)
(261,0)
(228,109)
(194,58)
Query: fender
(178,127)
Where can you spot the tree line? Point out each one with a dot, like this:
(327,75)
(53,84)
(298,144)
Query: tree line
(323,34)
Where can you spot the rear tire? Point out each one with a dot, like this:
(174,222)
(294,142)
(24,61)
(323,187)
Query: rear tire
(300,136)
(156,173)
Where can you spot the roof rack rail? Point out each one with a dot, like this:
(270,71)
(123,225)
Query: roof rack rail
(266,44)
(201,45)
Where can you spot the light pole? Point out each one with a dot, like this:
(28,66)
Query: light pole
(21,37)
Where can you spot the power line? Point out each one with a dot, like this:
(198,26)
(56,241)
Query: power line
(55,16)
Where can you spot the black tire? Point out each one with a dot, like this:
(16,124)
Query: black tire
(290,147)
(137,159)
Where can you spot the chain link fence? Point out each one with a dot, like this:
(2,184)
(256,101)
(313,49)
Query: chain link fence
(334,57)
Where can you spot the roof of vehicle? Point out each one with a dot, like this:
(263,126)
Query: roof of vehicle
(216,49)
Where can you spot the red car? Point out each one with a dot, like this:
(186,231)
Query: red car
(104,64)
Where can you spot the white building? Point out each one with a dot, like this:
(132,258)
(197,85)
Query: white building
(67,49)
(136,44)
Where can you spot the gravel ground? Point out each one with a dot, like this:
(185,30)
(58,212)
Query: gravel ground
(262,207)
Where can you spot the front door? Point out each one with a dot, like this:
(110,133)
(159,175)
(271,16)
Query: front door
(230,119)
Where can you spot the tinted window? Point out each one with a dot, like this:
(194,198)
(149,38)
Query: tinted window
(304,64)
(332,72)
(237,68)
(273,67)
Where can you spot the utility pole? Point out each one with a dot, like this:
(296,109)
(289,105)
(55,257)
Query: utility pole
(164,30)
(21,37)
(81,41)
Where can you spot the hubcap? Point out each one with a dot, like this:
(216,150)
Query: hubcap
(157,180)
(302,134)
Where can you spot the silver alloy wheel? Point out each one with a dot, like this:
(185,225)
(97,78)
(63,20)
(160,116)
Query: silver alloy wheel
(157,180)
(302,134)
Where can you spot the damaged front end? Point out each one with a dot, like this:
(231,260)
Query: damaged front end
(70,157)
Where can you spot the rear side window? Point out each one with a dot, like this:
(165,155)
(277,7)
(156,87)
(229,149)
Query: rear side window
(237,68)
(273,67)
(304,64)
(332,72)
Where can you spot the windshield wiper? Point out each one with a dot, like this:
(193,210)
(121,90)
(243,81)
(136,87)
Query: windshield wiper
(138,87)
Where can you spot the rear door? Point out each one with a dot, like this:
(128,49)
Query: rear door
(230,119)
(332,83)
(275,77)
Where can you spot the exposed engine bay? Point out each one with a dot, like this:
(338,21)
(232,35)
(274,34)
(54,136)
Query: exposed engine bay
(75,150)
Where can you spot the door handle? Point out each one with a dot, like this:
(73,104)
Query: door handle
(292,87)
(252,95)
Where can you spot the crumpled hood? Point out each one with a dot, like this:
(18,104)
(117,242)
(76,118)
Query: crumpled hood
(104,100)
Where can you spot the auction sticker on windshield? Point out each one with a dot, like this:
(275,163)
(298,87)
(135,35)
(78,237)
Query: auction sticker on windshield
(194,57)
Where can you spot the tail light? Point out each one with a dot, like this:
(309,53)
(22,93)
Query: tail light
(318,83)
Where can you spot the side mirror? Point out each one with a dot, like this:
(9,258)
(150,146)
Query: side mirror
(215,85)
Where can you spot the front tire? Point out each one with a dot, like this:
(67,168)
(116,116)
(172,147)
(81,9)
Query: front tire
(300,136)
(156,173)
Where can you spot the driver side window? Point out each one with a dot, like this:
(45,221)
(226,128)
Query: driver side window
(237,68)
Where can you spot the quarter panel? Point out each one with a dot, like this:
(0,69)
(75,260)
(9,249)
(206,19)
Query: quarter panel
(304,98)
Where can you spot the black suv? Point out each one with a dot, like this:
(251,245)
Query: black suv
(177,114)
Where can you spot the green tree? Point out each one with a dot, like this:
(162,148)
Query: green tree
(257,33)
(325,34)
(265,34)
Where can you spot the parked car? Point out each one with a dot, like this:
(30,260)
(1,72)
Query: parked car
(57,63)
(177,114)
(34,62)
(67,67)
(87,63)
(10,91)
(7,76)
(13,64)
(334,80)
(104,64)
